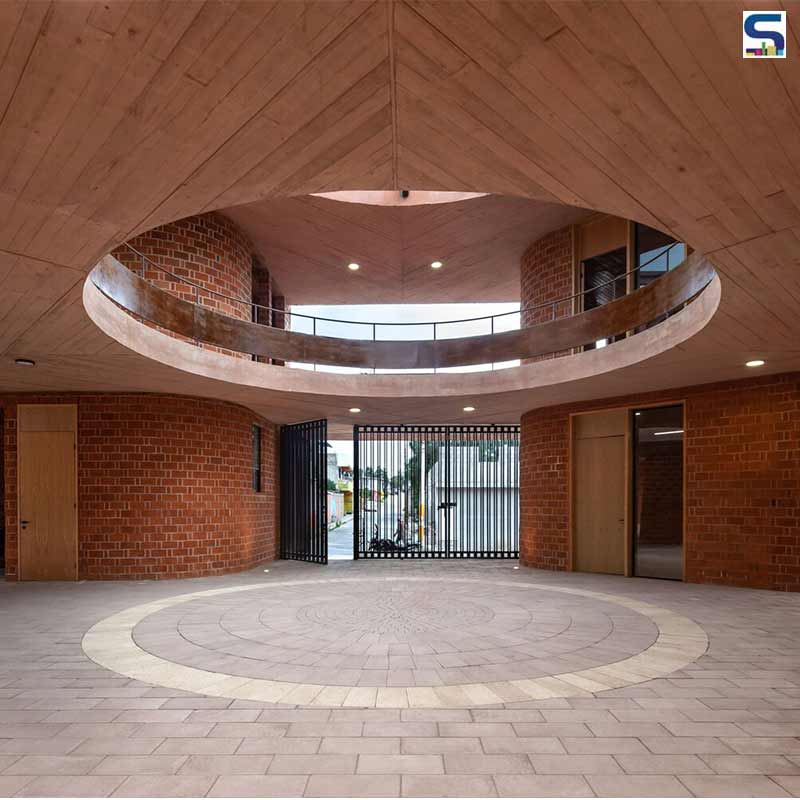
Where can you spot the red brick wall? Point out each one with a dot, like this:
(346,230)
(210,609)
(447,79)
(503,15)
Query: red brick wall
(164,486)
(208,250)
(546,275)
(742,445)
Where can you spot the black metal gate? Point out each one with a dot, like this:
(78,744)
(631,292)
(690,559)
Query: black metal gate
(304,496)
(436,491)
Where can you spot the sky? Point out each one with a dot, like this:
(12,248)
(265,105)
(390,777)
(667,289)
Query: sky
(388,315)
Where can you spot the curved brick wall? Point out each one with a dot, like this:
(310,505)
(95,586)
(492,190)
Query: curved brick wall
(742,499)
(545,274)
(209,250)
(164,486)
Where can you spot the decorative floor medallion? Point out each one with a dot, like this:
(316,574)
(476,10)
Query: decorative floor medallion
(395,642)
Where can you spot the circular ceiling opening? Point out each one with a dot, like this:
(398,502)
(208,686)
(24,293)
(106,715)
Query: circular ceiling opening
(404,197)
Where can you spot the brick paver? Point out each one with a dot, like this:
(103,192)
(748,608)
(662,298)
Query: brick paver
(726,723)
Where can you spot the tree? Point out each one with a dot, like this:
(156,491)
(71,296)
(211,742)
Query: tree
(414,470)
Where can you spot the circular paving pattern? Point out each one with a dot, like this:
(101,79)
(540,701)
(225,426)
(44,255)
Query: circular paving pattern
(395,642)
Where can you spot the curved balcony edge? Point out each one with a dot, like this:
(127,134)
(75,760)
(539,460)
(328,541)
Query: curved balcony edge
(633,311)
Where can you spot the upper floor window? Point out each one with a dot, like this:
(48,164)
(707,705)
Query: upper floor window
(655,253)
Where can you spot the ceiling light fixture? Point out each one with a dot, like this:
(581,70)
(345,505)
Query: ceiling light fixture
(469,409)
(25,362)
(436,265)
(666,433)
(756,362)
(353,267)
(355,410)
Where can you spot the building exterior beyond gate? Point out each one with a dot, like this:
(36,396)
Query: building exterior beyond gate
(436,491)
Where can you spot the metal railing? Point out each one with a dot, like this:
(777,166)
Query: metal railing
(496,323)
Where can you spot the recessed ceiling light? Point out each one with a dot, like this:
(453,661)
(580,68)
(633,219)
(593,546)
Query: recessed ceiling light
(469,409)
(353,266)
(756,362)
(355,410)
(436,265)
(25,362)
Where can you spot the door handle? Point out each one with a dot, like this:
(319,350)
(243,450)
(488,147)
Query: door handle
(24,523)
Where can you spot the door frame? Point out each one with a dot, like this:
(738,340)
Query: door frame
(20,409)
(629,477)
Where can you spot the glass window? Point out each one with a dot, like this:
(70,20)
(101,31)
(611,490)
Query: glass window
(658,492)
(604,280)
(257,458)
(655,254)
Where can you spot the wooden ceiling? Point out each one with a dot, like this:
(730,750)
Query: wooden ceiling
(307,243)
(119,116)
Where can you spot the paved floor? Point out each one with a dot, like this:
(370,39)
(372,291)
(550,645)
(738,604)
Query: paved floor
(340,540)
(726,722)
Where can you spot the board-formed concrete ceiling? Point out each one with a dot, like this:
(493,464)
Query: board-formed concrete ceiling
(116,117)
(307,243)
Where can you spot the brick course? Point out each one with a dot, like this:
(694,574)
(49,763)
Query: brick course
(164,486)
(208,250)
(546,275)
(742,445)
(546,271)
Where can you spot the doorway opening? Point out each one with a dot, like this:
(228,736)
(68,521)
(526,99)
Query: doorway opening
(436,491)
(658,442)
(341,498)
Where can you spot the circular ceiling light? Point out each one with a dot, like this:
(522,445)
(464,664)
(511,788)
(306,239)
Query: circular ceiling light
(469,409)
(355,410)
(353,267)
(756,362)
(436,265)
(25,362)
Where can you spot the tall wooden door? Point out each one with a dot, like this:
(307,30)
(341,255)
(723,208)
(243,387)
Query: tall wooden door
(47,492)
(600,492)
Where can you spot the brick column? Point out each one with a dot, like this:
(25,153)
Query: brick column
(546,272)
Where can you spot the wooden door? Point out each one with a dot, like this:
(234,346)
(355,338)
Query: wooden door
(47,492)
(600,492)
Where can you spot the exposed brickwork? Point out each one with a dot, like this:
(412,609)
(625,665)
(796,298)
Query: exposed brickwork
(544,490)
(742,444)
(164,486)
(546,275)
(208,250)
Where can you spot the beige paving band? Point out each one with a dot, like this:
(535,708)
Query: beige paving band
(680,641)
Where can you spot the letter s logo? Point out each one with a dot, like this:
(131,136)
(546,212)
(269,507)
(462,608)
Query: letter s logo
(764,34)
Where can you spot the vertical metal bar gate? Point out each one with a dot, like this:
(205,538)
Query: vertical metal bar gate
(436,491)
(304,494)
